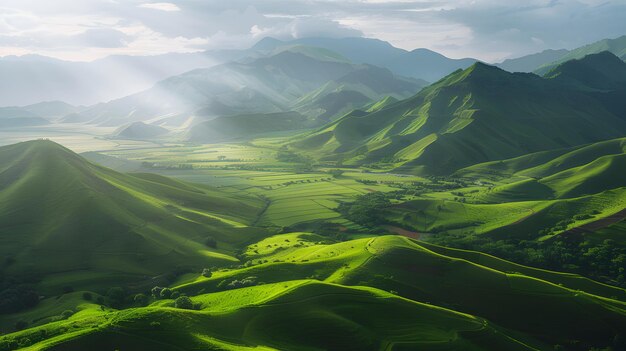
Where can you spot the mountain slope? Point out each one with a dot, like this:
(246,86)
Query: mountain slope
(16,117)
(267,84)
(62,217)
(242,127)
(529,63)
(616,46)
(367,294)
(473,116)
(601,71)
(140,130)
(419,63)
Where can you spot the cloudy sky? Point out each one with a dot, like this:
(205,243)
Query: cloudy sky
(486,29)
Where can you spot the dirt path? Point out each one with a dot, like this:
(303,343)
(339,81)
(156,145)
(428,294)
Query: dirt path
(402,231)
(599,224)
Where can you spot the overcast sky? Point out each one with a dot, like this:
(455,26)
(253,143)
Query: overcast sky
(486,29)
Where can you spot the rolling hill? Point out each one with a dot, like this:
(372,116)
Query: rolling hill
(477,115)
(367,294)
(140,130)
(244,127)
(67,222)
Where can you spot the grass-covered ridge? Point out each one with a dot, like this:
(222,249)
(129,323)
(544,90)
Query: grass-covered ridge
(367,294)
(68,222)
(477,115)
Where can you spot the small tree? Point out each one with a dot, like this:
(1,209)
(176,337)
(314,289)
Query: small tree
(67,314)
(140,299)
(156,292)
(87,296)
(21,325)
(166,293)
(211,242)
(336,173)
(116,295)
(207,273)
(183,302)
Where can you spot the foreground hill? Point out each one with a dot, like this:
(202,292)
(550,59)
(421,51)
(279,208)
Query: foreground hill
(386,293)
(67,222)
(480,114)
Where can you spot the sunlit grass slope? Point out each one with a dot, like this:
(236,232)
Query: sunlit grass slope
(61,217)
(505,293)
(296,315)
(385,293)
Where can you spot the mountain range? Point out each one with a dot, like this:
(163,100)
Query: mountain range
(305,80)
(481,114)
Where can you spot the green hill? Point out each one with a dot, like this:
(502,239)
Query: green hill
(243,127)
(477,115)
(386,293)
(603,71)
(140,130)
(67,222)
(616,46)
(355,90)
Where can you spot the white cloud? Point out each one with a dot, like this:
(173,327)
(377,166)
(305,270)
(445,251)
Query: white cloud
(485,29)
(161,6)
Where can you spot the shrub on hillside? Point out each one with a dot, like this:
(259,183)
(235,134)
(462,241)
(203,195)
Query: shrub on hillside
(211,242)
(140,299)
(17,298)
(156,292)
(183,302)
(116,295)
(166,293)
(87,296)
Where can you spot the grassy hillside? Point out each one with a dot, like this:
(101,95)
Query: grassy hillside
(139,130)
(387,293)
(67,222)
(473,116)
(616,46)
(245,127)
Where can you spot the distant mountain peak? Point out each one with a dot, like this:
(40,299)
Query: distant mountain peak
(268,43)
(601,70)
(479,70)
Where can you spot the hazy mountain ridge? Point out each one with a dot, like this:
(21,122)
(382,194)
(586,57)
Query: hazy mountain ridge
(419,63)
(263,85)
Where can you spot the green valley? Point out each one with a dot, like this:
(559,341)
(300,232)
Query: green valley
(209,187)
